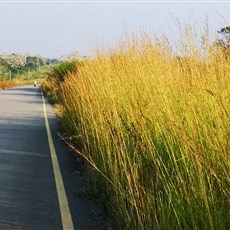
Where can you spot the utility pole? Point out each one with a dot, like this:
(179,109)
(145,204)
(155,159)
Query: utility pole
(10,74)
(38,63)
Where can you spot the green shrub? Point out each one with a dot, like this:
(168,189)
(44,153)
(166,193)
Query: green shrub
(61,70)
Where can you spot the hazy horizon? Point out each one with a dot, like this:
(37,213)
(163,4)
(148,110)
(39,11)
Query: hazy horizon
(52,29)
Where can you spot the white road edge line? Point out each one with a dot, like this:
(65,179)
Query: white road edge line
(67,222)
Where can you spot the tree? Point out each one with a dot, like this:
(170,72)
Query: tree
(224,42)
(225,32)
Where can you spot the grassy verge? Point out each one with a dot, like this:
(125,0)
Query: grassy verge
(26,78)
(155,127)
(5,84)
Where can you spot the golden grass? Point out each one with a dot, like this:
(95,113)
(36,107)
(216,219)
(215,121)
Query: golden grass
(5,84)
(157,127)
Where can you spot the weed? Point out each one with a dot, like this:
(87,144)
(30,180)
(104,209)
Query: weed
(156,126)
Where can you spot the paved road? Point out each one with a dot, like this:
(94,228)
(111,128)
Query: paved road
(28,193)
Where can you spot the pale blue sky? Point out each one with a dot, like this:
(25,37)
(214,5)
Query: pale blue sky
(53,29)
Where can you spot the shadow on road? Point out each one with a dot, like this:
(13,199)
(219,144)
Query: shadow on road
(28,197)
(25,94)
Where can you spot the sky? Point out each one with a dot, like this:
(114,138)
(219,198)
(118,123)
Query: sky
(55,28)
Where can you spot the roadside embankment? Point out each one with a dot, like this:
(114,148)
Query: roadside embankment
(154,127)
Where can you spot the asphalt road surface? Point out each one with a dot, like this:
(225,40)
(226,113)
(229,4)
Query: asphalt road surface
(32,195)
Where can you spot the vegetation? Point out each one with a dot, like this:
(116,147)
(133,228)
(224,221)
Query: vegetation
(39,74)
(57,75)
(225,41)
(17,69)
(64,68)
(155,127)
(4,84)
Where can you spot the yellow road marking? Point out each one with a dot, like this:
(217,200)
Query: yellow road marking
(67,222)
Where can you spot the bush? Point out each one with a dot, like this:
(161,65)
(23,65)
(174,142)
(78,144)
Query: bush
(61,70)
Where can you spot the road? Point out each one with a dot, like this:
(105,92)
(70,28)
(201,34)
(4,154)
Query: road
(32,195)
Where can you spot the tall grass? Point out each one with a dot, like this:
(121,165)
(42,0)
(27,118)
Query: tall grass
(157,128)
(5,84)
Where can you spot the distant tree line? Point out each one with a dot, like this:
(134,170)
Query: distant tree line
(17,64)
(224,41)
